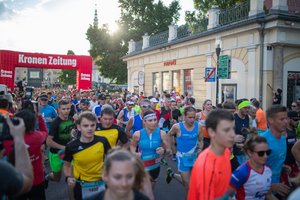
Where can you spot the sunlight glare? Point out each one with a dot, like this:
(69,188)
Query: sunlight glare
(113,27)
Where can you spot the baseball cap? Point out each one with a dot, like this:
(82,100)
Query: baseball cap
(153,100)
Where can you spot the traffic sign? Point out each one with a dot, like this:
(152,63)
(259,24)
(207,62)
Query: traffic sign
(210,74)
(141,78)
(224,67)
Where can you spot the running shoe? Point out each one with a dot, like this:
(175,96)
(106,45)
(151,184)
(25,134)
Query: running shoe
(169,176)
(164,162)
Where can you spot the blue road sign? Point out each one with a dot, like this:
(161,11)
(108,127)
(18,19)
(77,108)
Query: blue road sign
(210,74)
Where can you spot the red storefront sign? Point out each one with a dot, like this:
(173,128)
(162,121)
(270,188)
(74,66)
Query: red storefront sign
(9,60)
(170,62)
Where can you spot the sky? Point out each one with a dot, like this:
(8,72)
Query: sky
(56,26)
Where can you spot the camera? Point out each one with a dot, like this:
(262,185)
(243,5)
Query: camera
(29,92)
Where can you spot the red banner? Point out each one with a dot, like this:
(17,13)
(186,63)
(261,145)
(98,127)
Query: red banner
(9,60)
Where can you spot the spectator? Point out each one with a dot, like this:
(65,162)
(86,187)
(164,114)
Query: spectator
(34,139)
(18,180)
(277,97)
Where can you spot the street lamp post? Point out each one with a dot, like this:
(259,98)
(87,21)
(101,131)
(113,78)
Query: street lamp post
(218,50)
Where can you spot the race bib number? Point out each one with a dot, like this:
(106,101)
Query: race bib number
(90,190)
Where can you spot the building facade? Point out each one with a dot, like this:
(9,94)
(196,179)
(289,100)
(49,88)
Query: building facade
(263,48)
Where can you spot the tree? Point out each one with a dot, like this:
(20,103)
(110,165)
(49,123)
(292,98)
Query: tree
(144,16)
(205,5)
(197,20)
(137,18)
(107,51)
(68,77)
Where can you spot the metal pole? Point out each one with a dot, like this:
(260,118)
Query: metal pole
(218,50)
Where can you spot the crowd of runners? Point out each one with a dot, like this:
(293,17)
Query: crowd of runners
(114,145)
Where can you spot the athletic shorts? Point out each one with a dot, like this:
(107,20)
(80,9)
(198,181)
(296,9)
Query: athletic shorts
(185,162)
(180,165)
(56,164)
(154,173)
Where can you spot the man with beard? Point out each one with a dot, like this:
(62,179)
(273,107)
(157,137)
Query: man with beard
(277,119)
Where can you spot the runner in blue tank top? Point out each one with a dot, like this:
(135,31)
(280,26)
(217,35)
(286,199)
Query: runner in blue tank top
(153,143)
(136,123)
(187,134)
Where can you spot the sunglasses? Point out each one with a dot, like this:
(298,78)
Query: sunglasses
(262,153)
(44,99)
(294,106)
(146,106)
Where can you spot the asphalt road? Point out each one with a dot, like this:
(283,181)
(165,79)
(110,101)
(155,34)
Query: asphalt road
(162,190)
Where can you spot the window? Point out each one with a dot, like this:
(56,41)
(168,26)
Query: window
(165,81)
(188,81)
(229,92)
(156,83)
(293,86)
(34,74)
(176,81)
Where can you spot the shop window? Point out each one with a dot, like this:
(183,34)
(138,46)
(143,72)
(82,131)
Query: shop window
(188,81)
(34,74)
(176,81)
(229,92)
(293,87)
(165,81)
(156,83)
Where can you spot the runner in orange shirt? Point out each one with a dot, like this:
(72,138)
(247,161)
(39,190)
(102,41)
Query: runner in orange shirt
(212,171)
(207,106)
(261,119)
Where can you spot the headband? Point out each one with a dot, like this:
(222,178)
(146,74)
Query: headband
(150,116)
(244,104)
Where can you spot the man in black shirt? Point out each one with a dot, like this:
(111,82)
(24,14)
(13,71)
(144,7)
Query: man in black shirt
(59,136)
(277,97)
(241,120)
(175,114)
